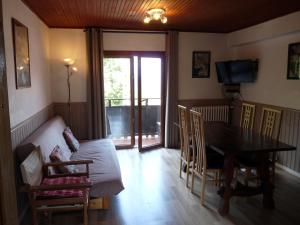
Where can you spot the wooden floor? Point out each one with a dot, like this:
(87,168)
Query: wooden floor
(154,195)
(146,141)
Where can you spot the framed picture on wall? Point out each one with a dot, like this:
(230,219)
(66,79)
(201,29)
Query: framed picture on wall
(201,64)
(21,54)
(293,71)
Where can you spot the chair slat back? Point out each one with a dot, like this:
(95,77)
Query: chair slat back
(270,123)
(247,116)
(183,131)
(198,140)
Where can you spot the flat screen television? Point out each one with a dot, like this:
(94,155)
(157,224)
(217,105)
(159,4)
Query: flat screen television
(237,71)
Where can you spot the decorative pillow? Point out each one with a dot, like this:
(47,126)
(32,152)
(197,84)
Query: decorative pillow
(32,168)
(57,155)
(71,140)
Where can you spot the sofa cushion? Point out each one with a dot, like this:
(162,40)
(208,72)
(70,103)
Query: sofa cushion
(48,136)
(23,151)
(71,140)
(105,171)
(32,168)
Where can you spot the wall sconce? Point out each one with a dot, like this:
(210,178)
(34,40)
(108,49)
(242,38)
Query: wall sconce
(70,71)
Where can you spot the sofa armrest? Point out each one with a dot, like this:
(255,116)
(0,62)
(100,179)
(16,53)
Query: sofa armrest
(65,163)
(85,174)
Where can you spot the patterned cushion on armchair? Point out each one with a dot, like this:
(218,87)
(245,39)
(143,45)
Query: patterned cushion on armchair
(63,181)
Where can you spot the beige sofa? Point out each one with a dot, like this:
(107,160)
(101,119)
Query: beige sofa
(105,171)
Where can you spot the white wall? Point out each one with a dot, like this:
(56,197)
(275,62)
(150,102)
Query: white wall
(23,103)
(68,43)
(72,43)
(133,42)
(197,88)
(268,42)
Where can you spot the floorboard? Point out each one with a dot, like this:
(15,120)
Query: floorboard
(155,195)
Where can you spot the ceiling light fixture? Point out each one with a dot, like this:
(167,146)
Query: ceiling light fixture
(156,14)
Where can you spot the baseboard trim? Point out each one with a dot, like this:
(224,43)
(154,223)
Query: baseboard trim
(290,171)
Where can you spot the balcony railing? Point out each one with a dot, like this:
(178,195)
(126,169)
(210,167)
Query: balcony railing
(118,114)
(112,102)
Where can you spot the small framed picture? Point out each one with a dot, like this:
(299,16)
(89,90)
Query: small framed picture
(201,64)
(293,71)
(21,54)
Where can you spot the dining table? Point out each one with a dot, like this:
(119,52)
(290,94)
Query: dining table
(232,142)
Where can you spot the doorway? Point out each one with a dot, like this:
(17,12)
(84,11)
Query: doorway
(133,90)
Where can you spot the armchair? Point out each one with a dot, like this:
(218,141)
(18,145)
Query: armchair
(56,193)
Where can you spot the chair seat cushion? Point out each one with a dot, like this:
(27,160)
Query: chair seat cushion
(62,181)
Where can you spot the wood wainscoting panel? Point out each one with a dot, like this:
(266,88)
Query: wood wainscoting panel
(289,132)
(20,132)
(203,102)
(79,116)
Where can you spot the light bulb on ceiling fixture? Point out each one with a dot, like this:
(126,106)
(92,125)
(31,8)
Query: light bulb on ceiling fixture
(164,19)
(147,19)
(156,16)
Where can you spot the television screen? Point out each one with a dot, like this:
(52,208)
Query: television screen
(236,72)
(222,71)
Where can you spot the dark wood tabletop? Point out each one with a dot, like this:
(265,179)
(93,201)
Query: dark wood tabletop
(228,139)
(233,141)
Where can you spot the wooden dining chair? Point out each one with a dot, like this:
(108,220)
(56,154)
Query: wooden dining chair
(185,154)
(247,122)
(203,165)
(269,127)
(247,116)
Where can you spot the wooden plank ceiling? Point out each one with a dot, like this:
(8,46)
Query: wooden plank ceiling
(219,16)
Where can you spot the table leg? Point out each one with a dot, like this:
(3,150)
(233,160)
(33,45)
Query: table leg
(228,174)
(266,184)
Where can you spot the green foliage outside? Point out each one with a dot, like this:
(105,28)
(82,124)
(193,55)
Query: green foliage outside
(113,85)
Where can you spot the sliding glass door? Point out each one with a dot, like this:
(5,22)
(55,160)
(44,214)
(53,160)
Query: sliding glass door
(118,89)
(150,100)
(133,90)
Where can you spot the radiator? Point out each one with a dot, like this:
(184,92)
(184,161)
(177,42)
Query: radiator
(214,113)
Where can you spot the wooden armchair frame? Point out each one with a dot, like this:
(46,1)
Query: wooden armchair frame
(53,204)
